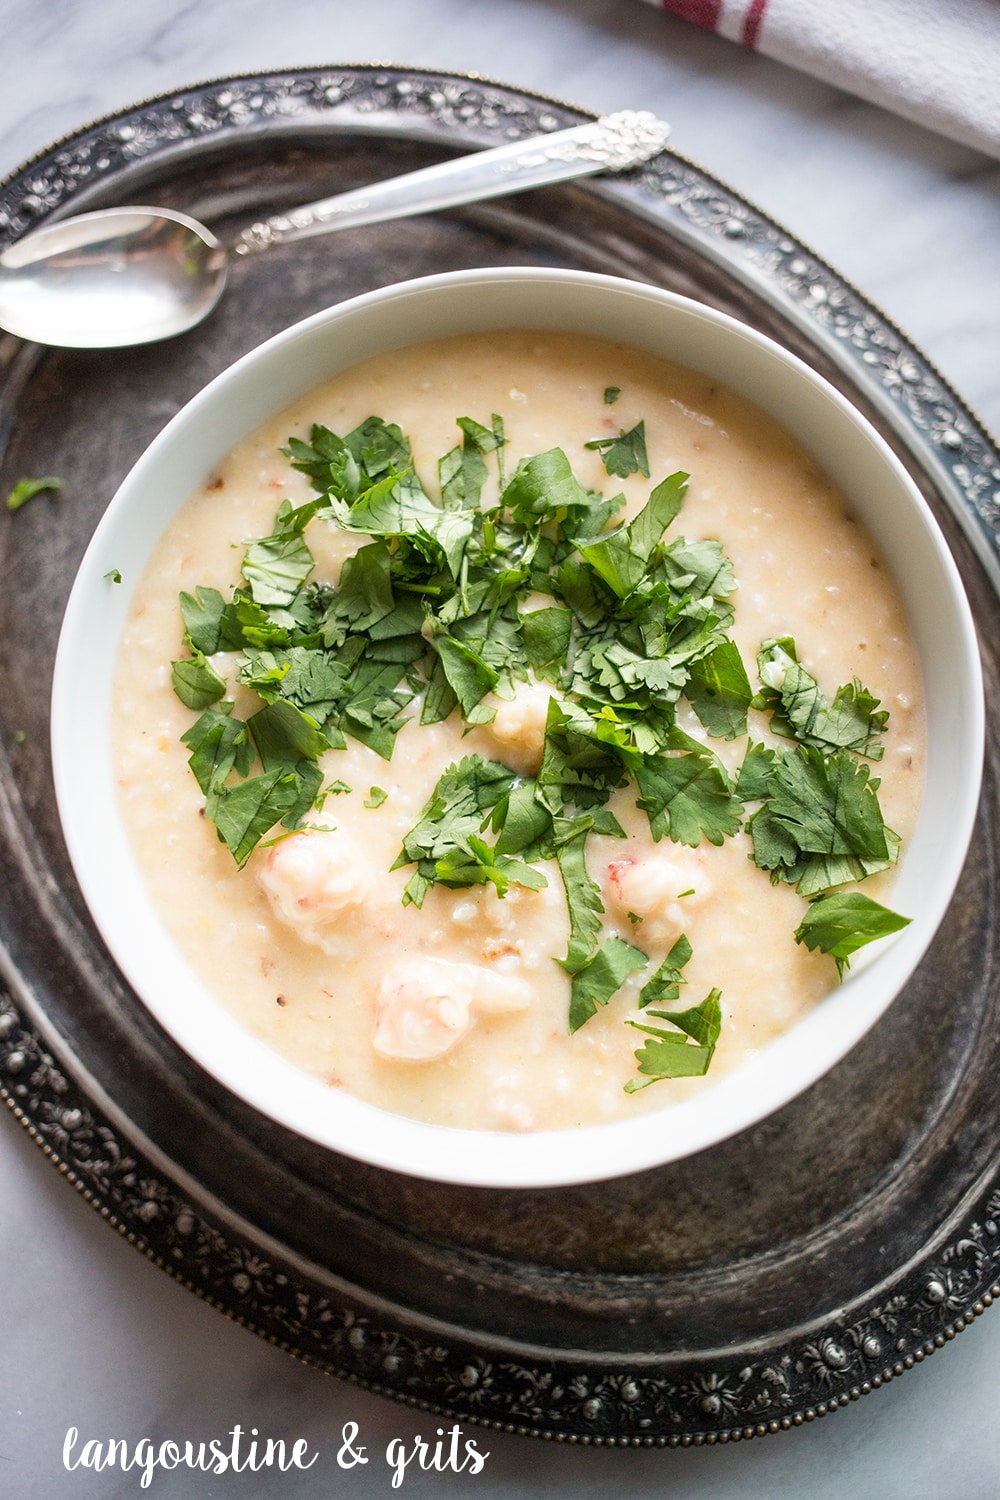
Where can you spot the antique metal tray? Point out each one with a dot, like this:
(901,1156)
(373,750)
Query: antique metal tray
(749,1289)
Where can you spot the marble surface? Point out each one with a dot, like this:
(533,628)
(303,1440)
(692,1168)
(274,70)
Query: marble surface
(95,1337)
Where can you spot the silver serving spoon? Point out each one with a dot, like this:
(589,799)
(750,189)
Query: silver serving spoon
(125,276)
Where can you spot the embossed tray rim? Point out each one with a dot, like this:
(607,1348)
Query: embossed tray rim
(967,501)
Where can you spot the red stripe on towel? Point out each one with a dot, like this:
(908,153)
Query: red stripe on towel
(751,26)
(701,12)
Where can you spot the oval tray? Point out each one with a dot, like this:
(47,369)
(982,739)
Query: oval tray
(745,1290)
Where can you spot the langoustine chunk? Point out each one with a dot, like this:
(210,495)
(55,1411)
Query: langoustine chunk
(424,1006)
(316,880)
(518,726)
(659,891)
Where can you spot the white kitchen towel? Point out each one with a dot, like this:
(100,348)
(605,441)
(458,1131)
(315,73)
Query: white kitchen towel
(934,61)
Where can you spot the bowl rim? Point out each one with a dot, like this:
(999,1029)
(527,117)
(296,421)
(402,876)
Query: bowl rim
(251,1069)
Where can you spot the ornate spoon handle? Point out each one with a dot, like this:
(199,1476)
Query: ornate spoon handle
(613,143)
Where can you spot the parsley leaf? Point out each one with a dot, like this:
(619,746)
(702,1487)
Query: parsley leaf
(284,735)
(582,758)
(196,682)
(670,1054)
(699,569)
(688,797)
(380,448)
(328,461)
(545,637)
(621,557)
(365,596)
(202,614)
(462,471)
(526,824)
(756,774)
(594,984)
(718,690)
(466,673)
(376,796)
(819,873)
(332,789)
(243,813)
(583,897)
(479,862)
(218,744)
(276,566)
(611,394)
(446,843)
(841,923)
(800,712)
(487,439)
(625,454)
(462,474)
(819,807)
(665,984)
(544,487)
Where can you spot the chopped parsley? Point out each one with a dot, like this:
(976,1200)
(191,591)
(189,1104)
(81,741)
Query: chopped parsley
(611,394)
(665,984)
(843,922)
(332,789)
(113,575)
(625,454)
(447,843)
(684,1052)
(820,824)
(196,682)
(507,572)
(853,721)
(601,977)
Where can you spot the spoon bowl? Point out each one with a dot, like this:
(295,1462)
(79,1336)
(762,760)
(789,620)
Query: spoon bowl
(115,277)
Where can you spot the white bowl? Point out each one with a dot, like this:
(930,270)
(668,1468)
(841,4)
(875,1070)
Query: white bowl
(271,377)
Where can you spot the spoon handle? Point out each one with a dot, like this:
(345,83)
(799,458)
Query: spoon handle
(614,143)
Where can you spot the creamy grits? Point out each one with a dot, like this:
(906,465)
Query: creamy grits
(456,1012)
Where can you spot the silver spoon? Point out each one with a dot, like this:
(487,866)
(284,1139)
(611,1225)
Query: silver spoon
(125,276)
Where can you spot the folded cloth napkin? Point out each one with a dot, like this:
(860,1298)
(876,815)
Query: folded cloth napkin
(934,61)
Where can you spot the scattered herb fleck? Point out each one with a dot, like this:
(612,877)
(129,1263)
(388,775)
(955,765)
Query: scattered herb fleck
(26,489)
(625,454)
(332,789)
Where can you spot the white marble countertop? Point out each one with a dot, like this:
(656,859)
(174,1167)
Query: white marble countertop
(94,1336)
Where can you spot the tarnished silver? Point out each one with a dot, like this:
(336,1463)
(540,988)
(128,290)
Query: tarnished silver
(125,276)
(107,279)
(754,1288)
(614,143)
